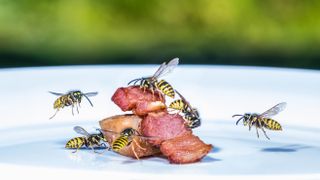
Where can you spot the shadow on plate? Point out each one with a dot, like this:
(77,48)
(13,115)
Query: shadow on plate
(215,149)
(286,149)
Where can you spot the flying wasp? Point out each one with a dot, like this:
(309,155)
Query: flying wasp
(125,139)
(88,140)
(261,121)
(153,83)
(191,115)
(71,98)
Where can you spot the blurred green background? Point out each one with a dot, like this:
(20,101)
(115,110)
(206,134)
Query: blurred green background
(284,33)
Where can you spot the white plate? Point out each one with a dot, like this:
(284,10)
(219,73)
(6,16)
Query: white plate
(30,142)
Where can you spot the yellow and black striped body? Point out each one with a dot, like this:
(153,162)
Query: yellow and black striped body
(153,84)
(259,122)
(120,143)
(124,140)
(165,88)
(179,105)
(76,143)
(63,101)
(271,124)
(192,119)
(191,115)
(68,99)
(90,141)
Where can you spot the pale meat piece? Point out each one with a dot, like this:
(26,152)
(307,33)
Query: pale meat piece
(185,149)
(118,124)
(164,126)
(141,101)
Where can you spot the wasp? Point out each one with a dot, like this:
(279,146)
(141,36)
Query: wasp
(261,121)
(191,115)
(88,140)
(71,98)
(153,83)
(125,139)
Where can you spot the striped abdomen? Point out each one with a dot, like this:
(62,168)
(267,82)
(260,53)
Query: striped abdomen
(75,143)
(62,101)
(178,105)
(192,122)
(272,124)
(165,88)
(120,143)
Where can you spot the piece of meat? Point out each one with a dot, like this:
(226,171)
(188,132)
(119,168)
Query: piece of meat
(163,126)
(145,107)
(118,124)
(185,149)
(140,101)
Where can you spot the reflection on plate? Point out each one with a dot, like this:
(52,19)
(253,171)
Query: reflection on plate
(236,151)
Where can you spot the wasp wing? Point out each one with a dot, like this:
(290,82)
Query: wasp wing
(89,94)
(55,93)
(81,131)
(106,131)
(274,110)
(166,68)
(185,101)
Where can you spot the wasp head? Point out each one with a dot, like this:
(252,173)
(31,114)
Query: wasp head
(245,117)
(128,132)
(100,135)
(77,95)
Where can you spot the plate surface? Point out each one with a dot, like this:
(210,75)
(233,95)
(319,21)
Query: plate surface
(29,141)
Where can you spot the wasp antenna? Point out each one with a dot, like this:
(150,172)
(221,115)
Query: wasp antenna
(88,99)
(134,80)
(236,115)
(55,93)
(239,120)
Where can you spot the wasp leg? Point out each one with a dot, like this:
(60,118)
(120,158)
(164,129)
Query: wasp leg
(105,146)
(54,114)
(76,150)
(91,146)
(264,132)
(134,152)
(72,109)
(152,91)
(250,122)
(138,145)
(78,104)
(257,131)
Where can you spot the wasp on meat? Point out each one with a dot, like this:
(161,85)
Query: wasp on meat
(71,98)
(191,115)
(261,121)
(88,140)
(126,139)
(153,83)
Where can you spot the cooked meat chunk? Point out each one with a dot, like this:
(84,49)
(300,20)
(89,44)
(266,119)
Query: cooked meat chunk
(163,126)
(185,149)
(117,124)
(141,101)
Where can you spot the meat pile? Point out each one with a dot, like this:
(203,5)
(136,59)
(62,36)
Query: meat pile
(168,132)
